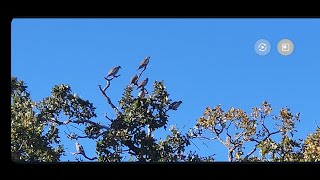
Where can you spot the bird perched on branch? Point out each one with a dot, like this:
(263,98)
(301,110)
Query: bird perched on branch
(134,80)
(113,71)
(175,105)
(143,83)
(142,93)
(79,149)
(144,62)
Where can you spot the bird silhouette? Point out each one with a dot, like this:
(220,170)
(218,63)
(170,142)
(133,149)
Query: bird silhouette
(134,80)
(79,149)
(144,62)
(113,71)
(175,105)
(143,83)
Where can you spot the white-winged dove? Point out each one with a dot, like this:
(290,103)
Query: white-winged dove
(175,105)
(134,80)
(144,62)
(79,149)
(113,71)
(143,83)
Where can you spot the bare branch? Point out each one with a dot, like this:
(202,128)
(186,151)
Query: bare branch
(252,139)
(84,155)
(103,91)
(229,125)
(93,137)
(203,137)
(250,153)
(90,122)
(265,128)
(204,143)
(239,135)
(108,99)
(89,158)
(185,125)
(258,142)
(272,134)
(70,135)
(221,141)
(194,144)
(141,73)
(227,129)
(77,128)
(106,116)
(217,131)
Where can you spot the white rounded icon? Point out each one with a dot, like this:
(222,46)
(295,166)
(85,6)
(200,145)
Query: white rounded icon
(285,47)
(262,47)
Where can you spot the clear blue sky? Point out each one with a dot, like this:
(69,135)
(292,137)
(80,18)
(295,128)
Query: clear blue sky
(204,62)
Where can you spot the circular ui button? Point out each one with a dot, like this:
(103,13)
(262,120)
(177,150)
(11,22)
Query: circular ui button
(262,47)
(285,47)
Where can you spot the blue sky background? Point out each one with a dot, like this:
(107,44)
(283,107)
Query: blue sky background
(204,62)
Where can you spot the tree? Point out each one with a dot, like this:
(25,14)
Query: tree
(259,136)
(311,147)
(35,126)
(235,129)
(132,130)
(29,139)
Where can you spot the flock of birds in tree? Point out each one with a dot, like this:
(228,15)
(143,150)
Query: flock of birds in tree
(134,81)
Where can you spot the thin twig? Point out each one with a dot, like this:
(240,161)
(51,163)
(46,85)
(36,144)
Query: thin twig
(106,116)
(109,101)
(185,124)
(77,128)
(203,137)
(141,73)
(93,137)
(221,141)
(195,145)
(258,142)
(84,155)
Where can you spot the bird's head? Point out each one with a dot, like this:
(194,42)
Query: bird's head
(77,143)
(180,102)
(119,67)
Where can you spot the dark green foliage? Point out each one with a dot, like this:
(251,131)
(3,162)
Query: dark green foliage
(130,136)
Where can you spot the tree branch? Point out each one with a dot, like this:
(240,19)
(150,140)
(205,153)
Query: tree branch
(106,116)
(90,122)
(251,152)
(108,82)
(258,142)
(108,99)
(239,135)
(141,73)
(132,147)
(84,155)
(93,137)
(203,137)
(221,141)
(265,127)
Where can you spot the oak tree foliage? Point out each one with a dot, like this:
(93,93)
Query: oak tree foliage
(261,135)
